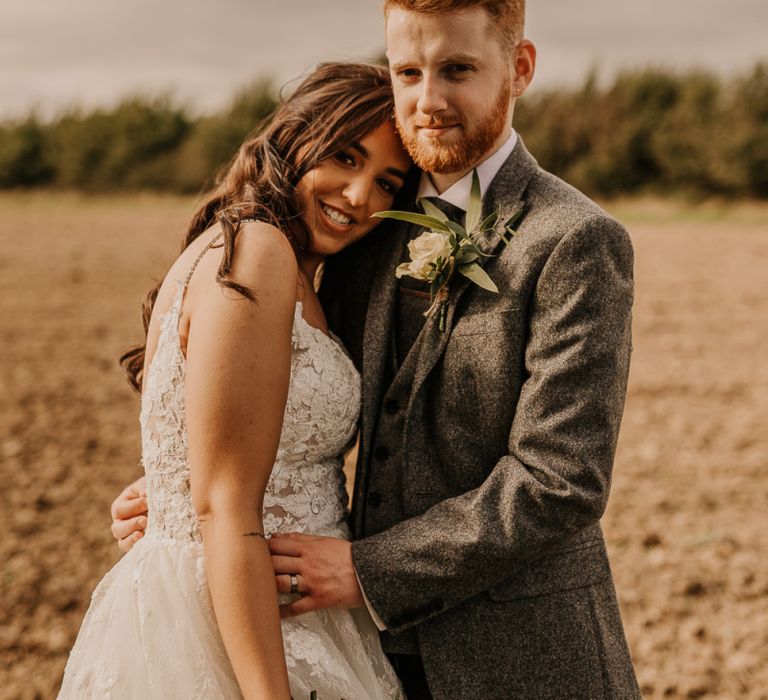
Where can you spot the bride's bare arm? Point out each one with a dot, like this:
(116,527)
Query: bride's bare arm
(237,374)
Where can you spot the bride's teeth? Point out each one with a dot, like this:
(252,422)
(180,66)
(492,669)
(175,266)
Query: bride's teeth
(336,217)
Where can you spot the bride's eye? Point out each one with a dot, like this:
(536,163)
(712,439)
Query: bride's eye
(389,187)
(344,157)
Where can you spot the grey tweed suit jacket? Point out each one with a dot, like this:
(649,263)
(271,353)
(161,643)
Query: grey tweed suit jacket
(500,566)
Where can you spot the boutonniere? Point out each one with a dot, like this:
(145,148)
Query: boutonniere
(447,247)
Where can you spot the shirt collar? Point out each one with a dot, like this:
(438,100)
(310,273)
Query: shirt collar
(458,193)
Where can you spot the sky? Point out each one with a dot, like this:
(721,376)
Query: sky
(57,54)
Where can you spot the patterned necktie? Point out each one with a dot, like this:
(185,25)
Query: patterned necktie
(453,212)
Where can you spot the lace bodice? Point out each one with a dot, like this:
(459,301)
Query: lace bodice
(305,492)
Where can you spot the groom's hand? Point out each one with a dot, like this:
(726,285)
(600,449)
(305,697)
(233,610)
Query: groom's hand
(323,569)
(129,515)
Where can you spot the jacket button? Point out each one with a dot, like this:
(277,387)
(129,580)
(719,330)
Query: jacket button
(374,499)
(391,406)
(381,453)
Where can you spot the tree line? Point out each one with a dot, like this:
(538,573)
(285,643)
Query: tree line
(649,131)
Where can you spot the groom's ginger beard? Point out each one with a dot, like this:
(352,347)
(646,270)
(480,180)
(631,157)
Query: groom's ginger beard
(434,156)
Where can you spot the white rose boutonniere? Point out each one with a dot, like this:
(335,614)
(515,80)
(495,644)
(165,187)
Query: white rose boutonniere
(427,252)
(448,246)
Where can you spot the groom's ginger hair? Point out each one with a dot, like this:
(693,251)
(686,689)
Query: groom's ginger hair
(507,16)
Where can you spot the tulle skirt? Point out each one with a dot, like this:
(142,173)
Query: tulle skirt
(150,632)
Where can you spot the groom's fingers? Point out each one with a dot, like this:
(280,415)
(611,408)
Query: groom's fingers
(299,607)
(122,529)
(286,565)
(287,546)
(283,582)
(127,542)
(124,507)
(295,536)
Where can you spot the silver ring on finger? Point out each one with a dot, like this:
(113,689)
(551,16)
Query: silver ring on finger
(294,584)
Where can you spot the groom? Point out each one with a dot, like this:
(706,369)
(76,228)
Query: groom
(487,447)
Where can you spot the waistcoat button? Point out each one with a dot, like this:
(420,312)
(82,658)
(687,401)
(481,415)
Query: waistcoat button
(381,453)
(374,499)
(391,406)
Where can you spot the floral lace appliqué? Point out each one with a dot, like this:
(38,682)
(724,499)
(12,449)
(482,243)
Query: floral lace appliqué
(151,629)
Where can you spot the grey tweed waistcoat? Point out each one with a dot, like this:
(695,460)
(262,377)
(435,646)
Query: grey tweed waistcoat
(384,506)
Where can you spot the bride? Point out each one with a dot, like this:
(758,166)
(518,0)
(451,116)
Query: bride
(247,403)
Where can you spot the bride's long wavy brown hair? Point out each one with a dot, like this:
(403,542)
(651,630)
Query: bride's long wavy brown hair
(336,105)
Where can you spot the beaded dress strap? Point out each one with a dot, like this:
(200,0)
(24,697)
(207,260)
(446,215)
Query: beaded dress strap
(208,246)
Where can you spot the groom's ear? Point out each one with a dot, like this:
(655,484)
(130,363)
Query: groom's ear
(523,60)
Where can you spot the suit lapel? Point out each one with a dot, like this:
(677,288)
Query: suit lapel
(505,196)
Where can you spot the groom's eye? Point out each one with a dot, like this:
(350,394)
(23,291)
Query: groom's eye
(458,69)
(408,73)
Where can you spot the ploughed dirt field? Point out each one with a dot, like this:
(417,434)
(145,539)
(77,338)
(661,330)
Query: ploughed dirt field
(686,525)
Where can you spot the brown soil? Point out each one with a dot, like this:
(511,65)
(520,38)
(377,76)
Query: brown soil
(686,524)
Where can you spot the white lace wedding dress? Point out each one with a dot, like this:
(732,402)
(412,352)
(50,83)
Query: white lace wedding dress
(150,631)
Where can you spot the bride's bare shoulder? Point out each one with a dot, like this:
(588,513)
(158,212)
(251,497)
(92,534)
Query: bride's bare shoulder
(264,256)
(263,262)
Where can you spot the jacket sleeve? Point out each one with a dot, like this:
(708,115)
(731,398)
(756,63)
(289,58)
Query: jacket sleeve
(554,481)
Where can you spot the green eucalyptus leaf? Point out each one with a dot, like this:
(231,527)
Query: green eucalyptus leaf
(467,255)
(413,218)
(436,269)
(475,206)
(514,220)
(431,210)
(506,240)
(471,245)
(480,277)
(489,221)
(458,229)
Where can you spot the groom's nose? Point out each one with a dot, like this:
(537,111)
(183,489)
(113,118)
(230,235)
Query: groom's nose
(431,96)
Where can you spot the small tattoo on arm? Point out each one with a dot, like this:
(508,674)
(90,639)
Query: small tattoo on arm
(253,534)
